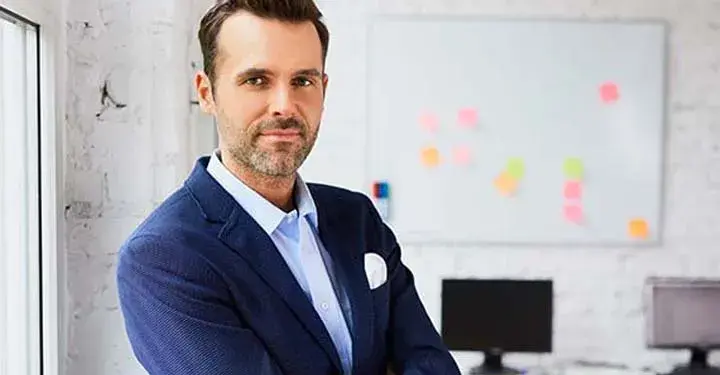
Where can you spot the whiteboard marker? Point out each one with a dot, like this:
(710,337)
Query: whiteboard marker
(381,195)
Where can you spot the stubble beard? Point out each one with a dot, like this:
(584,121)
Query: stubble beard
(283,160)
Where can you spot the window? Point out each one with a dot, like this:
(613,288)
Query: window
(20,203)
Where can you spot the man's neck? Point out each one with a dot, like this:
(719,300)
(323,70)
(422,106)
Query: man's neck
(277,190)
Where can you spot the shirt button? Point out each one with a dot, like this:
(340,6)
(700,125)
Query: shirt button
(324,306)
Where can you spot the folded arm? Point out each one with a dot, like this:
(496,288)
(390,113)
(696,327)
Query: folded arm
(416,347)
(178,315)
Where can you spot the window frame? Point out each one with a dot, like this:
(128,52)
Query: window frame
(48,16)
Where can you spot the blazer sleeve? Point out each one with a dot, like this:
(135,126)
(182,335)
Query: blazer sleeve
(415,346)
(178,314)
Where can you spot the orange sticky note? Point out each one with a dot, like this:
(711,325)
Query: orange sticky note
(573,213)
(467,117)
(430,156)
(573,190)
(429,122)
(638,228)
(461,155)
(609,92)
(505,184)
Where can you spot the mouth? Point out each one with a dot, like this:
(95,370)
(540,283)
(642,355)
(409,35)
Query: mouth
(281,134)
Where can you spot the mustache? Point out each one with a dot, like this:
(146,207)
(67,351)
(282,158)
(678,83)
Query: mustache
(281,124)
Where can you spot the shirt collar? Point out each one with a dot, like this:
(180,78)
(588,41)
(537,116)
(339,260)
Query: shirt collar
(267,215)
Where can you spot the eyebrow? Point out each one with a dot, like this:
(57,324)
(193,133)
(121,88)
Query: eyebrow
(309,72)
(260,71)
(252,72)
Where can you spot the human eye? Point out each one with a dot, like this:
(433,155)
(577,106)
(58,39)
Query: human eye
(303,81)
(255,81)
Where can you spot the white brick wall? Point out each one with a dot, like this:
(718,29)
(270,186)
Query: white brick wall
(122,163)
(123,155)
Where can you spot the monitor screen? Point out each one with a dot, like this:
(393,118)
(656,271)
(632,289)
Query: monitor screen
(504,315)
(682,313)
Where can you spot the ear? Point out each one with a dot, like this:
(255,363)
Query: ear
(203,89)
(325,80)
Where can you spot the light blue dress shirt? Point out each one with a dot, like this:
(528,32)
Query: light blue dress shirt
(295,234)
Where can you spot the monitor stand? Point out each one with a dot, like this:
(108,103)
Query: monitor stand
(493,365)
(698,365)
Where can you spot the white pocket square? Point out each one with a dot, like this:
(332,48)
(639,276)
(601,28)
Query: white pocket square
(375,269)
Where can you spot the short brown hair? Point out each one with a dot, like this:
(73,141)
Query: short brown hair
(284,10)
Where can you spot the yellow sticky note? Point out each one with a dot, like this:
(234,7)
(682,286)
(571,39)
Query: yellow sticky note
(505,183)
(430,156)
(638,228)
(516,168)
(573,168)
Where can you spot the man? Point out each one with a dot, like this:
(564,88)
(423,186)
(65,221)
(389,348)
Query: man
(246,269)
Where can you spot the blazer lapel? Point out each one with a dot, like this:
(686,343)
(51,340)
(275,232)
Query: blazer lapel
(242,234)
(340,238)
(249,240)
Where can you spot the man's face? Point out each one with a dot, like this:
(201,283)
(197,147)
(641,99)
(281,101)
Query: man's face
(269,92)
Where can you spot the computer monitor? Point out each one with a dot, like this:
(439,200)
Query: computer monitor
(497,316)
(682,313)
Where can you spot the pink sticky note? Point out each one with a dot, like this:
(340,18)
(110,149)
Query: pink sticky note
(573,213)
(467,117)
(573,190)
(429,122)
(461,155)
(609,92)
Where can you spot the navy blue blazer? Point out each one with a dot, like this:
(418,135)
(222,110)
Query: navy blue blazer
(204,291)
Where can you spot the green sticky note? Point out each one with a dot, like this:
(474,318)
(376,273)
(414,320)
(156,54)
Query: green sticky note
(516,168)
(573,168)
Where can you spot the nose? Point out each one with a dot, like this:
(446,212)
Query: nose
(281,104)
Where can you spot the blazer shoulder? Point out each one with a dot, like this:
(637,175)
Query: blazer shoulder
(174,225)
(337,195)
(343,203)
(177,209)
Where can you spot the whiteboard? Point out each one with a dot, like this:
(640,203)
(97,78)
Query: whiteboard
(518,131)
